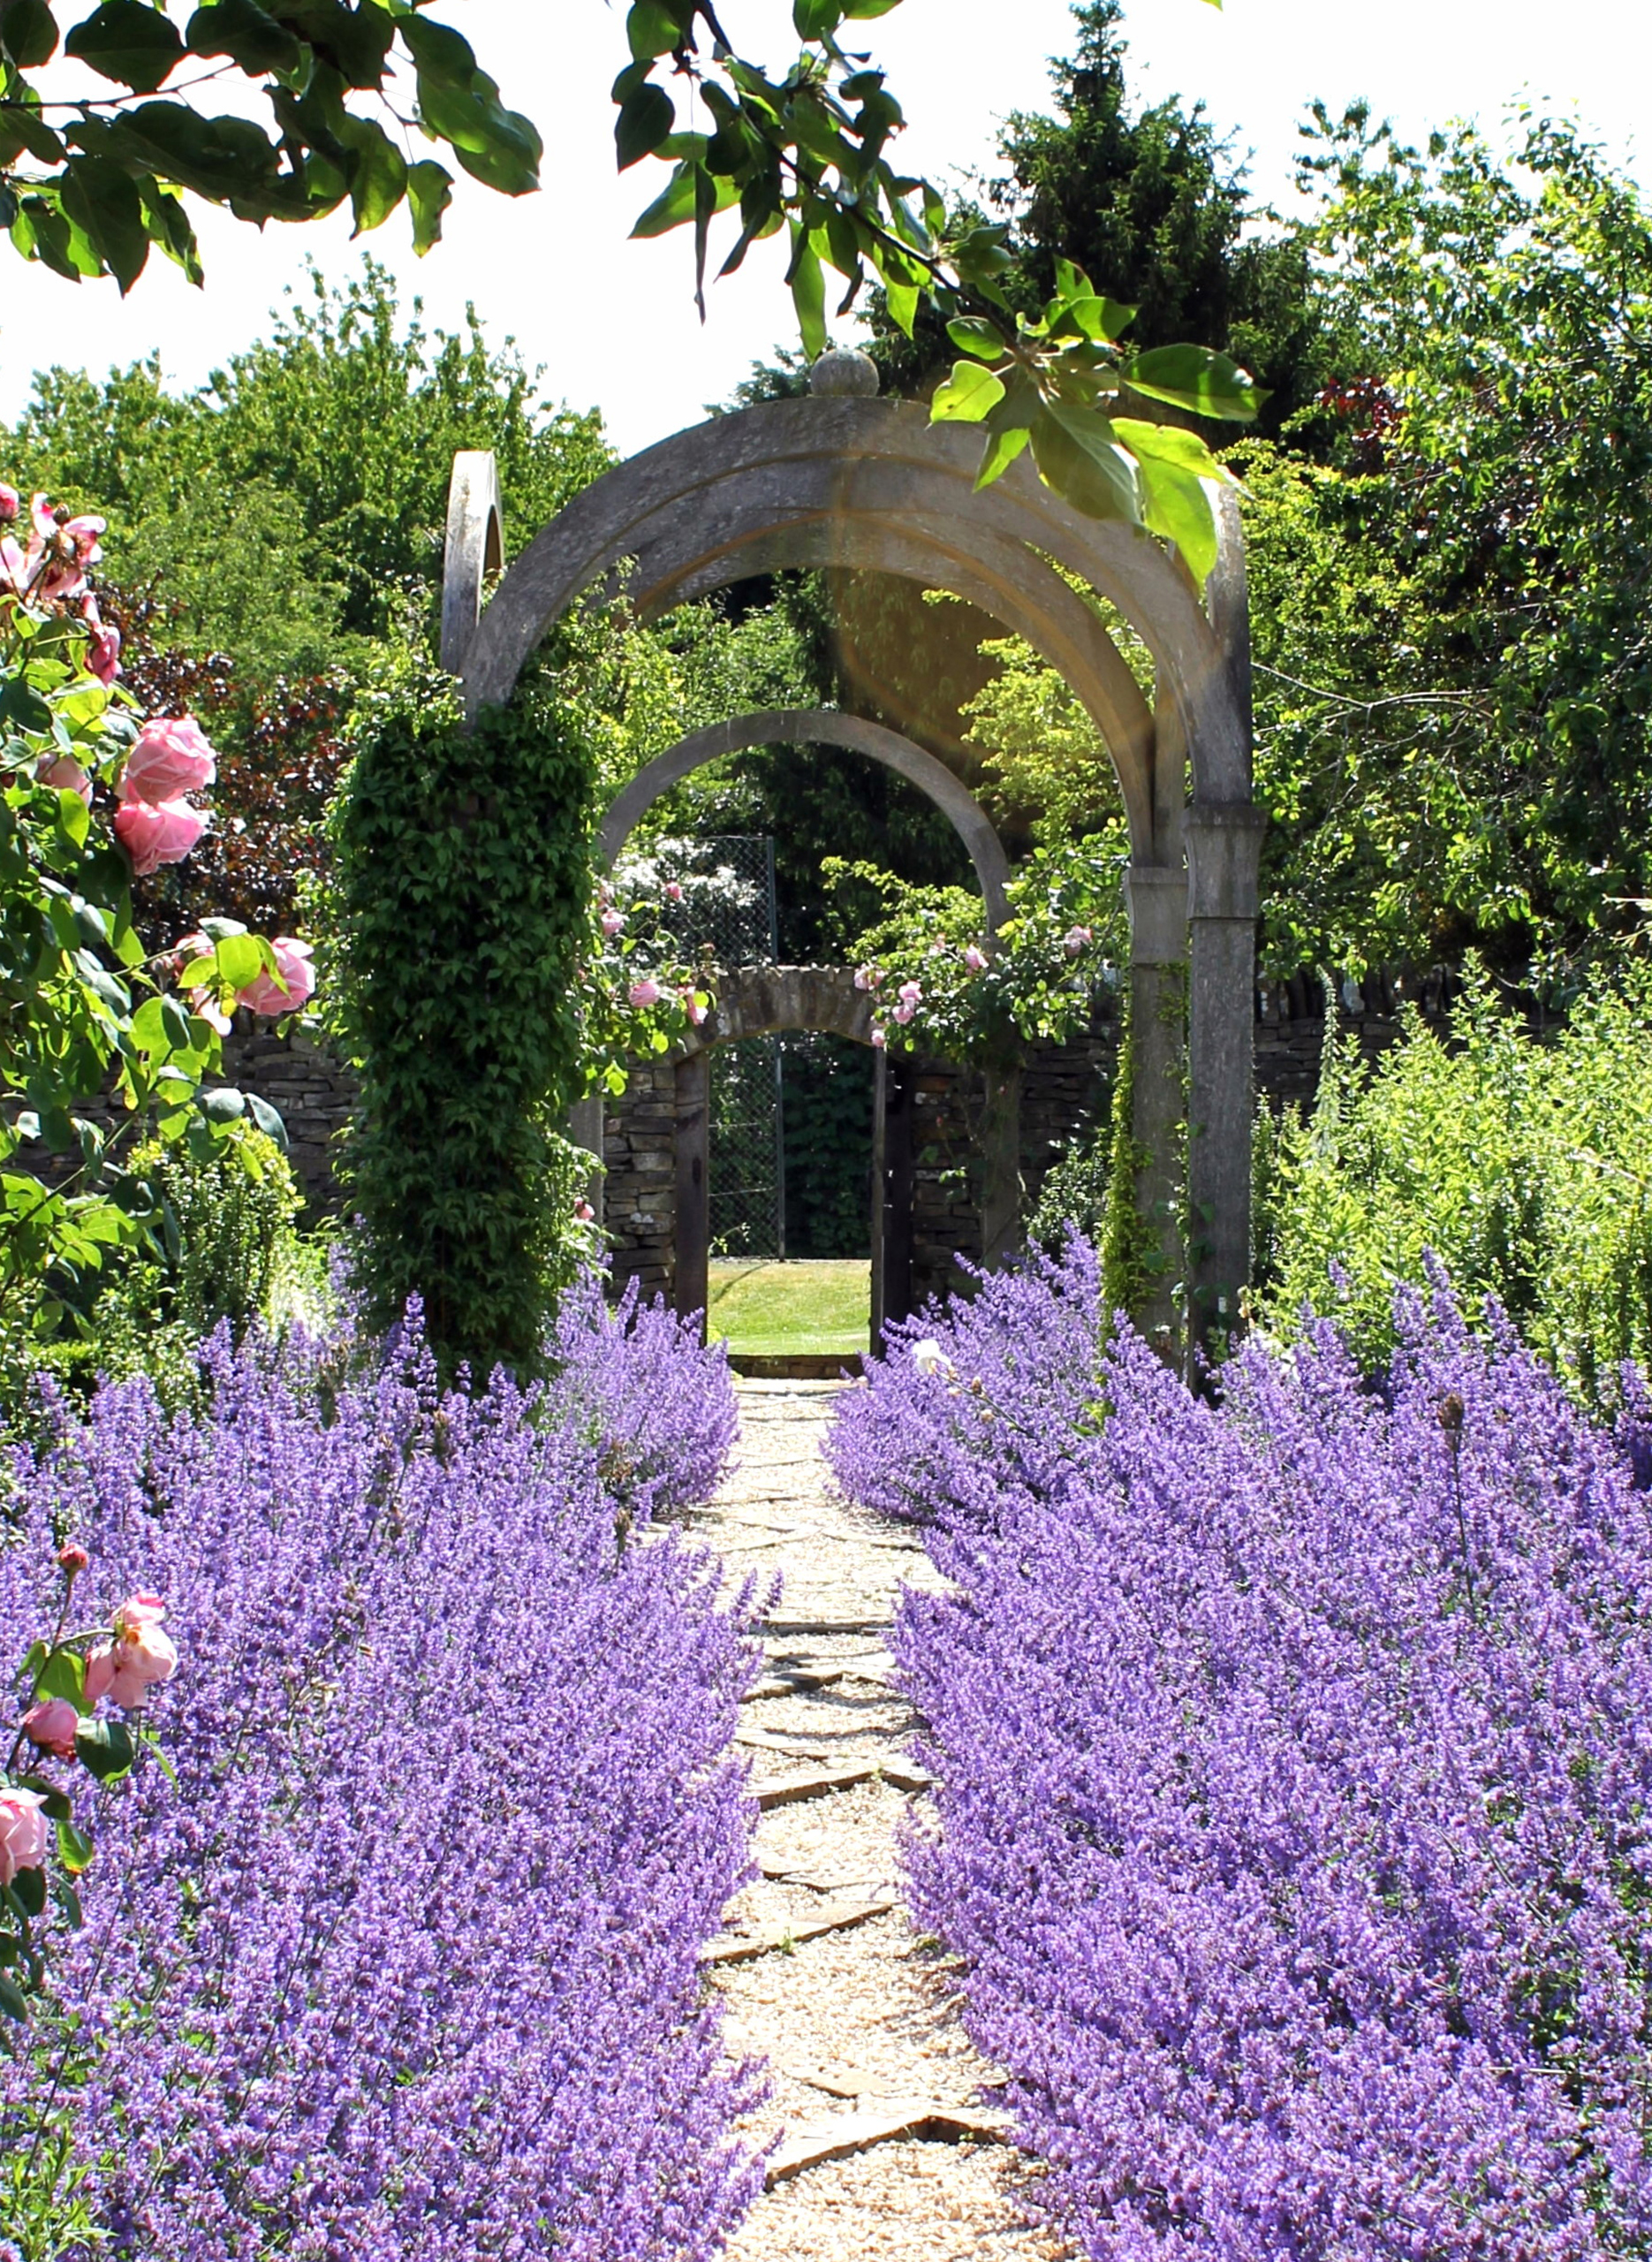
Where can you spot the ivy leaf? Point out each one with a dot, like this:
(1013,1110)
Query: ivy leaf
(1196,377)
(128,41)
(969,394)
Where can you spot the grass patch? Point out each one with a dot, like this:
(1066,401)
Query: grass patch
(818,1306)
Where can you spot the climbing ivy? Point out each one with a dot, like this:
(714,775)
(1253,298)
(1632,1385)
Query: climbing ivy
(463,910)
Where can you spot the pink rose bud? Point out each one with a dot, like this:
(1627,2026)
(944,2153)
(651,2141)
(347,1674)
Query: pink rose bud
(266,995)
(24,1833)
(1074,940)
(102,650)
(154,833)
(72,1557)
(51,1726)
(613,923)
(975,960)
(172,757)
(879,1039)
(693,1007)
(10,504)
(645,994)
(67,776)
(673,891)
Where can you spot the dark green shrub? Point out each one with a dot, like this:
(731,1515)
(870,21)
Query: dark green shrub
(464,895)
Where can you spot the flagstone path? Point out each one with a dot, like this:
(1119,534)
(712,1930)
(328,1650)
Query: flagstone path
(891,2149)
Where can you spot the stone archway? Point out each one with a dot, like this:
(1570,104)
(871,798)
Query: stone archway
(874,484)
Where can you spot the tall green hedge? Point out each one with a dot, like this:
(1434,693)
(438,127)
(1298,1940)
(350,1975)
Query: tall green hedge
(464,891)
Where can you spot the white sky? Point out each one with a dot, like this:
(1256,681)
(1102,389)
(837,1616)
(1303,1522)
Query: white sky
(613,321)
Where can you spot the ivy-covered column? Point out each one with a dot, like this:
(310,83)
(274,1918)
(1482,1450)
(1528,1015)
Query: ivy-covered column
(1145,1236)
(1223,862)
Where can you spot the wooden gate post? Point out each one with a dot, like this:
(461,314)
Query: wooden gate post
(694,1187)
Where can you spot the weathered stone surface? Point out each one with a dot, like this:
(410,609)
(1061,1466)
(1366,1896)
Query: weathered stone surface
(887,2123)
(743,1947)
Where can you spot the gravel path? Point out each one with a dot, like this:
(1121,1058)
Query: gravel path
(868,2064)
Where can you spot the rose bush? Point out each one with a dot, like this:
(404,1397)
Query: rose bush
(91,796)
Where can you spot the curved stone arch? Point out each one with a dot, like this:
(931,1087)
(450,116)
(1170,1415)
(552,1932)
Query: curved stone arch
(874,483)
(821,727)
(775,1000)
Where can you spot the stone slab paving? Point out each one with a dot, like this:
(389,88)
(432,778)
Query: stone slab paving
(889,2143)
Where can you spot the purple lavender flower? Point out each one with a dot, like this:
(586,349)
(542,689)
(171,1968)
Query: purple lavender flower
(403,1964)
(1295,1759)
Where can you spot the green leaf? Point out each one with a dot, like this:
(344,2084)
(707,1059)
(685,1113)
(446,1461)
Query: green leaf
(100,196)
(429,192)
(1170,443)
(1195,378)
(222,1103)
(808,292)
(973,335)
(1000,452)
(1078,457)
(969,394)
(241,959)
(74,1848)
(653,28)
(104,1748)
(129,42)
(646,118)
(268,1119)
(246,34)
(29,32)
(902,301)
(378,179)
(63,1675)
(28,1887)
(13,2002)
(176,1024)
(815,20)
(223,159)
(861,10)
(1099,319)
(1178,508)
(22,706)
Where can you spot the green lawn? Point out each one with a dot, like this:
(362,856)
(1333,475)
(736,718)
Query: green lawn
(817,1305)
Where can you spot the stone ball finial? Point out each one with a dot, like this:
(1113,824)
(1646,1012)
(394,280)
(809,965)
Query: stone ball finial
(842,373)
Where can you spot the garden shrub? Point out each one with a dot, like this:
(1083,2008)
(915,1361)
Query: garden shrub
(1294,1757)
(1525,1165)
(464,894)
(399,1959)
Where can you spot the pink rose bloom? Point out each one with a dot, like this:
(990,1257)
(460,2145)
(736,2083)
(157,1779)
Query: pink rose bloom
(23,1832)
(67,776)
(904,1011)
(1074,940)
(13,565)
(863,977)
(81,534)
(139,1659)
(172,757)
(911,993)
(975,960)
(693,1007)
(52,1725)
(613,923)
(673,891)
(266,996)
(154,833)
(879,1039)
(645,994)
(10,504)
(584,1212)
(44,518)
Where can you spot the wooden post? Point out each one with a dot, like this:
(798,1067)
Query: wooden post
(899,1092)
(875,1194)
(693,1186)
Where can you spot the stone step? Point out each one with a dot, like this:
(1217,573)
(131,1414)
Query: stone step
(891,2121)
(746,1947)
